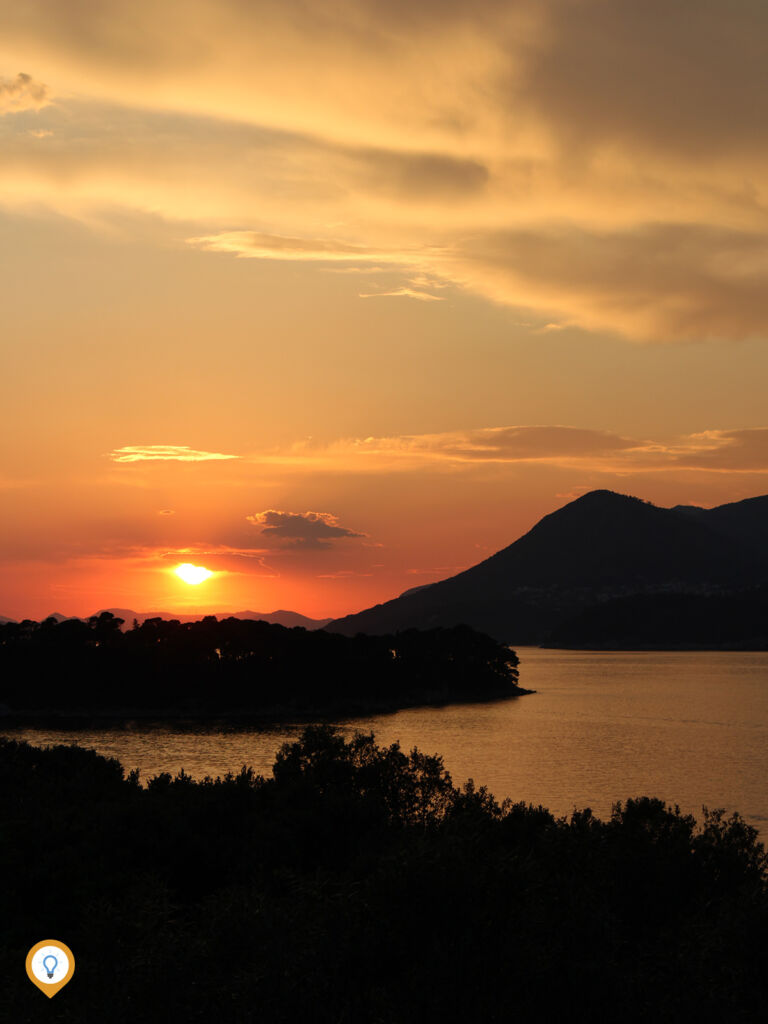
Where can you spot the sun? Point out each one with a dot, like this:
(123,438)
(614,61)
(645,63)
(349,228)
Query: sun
(192,574)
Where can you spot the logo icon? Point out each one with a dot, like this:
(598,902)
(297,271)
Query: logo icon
(50,965)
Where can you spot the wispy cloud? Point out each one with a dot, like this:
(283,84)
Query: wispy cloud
(661,281)
(729,451)
(22,93)
(407,293)
(722,451)
(165,453)
(527,152)
(489,444)
(343,574)
(253,245)
(228,557)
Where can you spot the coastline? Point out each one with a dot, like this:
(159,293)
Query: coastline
(116,718)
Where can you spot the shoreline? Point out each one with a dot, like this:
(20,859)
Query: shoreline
(116,718)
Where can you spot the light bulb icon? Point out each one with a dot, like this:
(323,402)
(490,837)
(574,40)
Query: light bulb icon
(50,965)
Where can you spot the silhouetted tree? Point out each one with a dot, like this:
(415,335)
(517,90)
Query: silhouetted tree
(359,884)
(240,666)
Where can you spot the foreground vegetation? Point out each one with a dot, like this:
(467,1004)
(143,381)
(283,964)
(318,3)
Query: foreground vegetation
(240,667)
(359,884)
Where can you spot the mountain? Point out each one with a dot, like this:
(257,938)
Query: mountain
(746,521)
(670,621)
(599,547)
(281,617)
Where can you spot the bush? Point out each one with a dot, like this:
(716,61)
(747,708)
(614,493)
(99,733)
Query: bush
(360,884)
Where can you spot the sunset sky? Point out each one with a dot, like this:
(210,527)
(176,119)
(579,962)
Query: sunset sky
(339,297)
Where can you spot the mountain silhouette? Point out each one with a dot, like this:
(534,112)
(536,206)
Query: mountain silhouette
(745,521)
(601,546)
(281,617)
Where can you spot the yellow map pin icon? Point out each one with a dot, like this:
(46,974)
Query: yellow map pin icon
(50,965)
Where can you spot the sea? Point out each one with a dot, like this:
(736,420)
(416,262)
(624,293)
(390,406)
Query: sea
(688,727)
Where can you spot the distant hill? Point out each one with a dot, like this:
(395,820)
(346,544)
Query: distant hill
(280,617)
(600,547)
(745,521)
(676,621)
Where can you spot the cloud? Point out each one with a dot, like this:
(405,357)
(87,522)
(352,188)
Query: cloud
(314,530)
(602,451)
(343,574)
(533,442)
(252,245)
(661,281)
(414,288)
(405,292)
(420,177)
(492,444)
(325,68)
(22,93)
(599,451)
(223,557)
(730,451)
(599,164)
(687,79)
(165,453)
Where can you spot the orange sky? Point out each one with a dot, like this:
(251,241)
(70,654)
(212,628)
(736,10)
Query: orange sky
(336,298)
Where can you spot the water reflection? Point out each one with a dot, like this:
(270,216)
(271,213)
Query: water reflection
(691,728)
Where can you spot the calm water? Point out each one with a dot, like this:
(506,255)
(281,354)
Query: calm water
(691,728)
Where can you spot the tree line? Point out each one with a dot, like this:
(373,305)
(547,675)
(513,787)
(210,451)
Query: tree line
(358,883)
(239,666)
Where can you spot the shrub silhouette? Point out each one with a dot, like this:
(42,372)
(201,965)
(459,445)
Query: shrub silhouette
(359,883)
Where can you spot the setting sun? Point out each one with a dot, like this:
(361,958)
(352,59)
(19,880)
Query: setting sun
(192,574)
